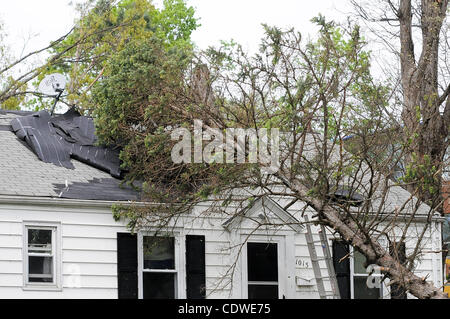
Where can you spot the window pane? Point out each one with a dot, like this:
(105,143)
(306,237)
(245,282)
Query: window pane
(446,229)
(40,269)
(262,291)
(40,279)
(359,260)
(159,253)
(159,285)
(262,262)
(361,291)
(39,240)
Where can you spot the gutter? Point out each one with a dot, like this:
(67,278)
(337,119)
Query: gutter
(52,201)
(66,202)
(405,217)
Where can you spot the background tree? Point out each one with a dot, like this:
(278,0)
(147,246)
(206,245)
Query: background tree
(110,26)
(103,28)
(417,32)
(13,83)
(4,61)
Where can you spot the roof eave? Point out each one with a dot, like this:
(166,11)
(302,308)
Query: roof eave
(61,202)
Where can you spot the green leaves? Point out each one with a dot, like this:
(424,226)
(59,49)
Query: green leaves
(423,173)
(106,27)
(134,106)
(175,22)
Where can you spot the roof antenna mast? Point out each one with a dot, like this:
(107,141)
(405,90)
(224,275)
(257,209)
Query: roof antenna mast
(53,85)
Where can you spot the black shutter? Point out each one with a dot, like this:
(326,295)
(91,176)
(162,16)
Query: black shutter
(342,267)
(195,267)
(127,265)
(398,251)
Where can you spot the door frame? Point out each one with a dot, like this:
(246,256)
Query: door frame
(280,240)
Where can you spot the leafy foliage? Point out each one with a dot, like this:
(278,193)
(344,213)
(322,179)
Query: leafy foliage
(106,27)
(151,89)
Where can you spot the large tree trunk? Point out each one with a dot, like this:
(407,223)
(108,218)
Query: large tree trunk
(425,128)
(374,252)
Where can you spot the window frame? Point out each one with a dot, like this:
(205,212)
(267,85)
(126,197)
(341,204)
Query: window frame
(353,274)
(179,271)
(282,271)
(55,254)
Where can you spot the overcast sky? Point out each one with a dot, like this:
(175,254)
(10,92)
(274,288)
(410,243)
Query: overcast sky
(37,22)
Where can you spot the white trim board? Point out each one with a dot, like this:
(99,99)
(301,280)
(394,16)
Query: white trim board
(265,203)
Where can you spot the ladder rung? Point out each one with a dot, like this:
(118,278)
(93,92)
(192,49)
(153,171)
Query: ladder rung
(323,278)
(320,259)
(315,242)
(328,277)
(328,297)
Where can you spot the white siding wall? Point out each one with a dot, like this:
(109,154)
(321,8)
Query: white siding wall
(89,249)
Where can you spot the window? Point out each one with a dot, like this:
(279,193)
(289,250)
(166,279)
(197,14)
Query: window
(41,256)
(159,268)
(359,279)
(341,263)
(446,227)
(262,270)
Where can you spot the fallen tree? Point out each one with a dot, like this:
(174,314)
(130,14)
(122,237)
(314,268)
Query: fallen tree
(316,94)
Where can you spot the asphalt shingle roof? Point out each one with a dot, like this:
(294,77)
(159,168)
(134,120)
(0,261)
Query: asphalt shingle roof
(22,173)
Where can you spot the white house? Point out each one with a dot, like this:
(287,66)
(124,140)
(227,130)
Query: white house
(58,239)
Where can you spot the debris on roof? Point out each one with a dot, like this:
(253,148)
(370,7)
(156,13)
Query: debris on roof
(58,139)
(97,189)
(345,195)
(23,174)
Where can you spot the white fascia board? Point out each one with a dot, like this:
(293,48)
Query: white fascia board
(50,201)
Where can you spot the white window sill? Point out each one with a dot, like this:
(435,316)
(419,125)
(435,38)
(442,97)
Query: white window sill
(41,288)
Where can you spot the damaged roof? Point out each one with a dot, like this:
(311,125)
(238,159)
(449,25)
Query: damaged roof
(58,139)
(23,173)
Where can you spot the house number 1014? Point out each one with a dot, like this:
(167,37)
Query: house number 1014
(303,263)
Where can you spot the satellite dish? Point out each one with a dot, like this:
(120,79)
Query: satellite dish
(53,84)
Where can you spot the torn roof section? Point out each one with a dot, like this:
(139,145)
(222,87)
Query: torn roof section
(98,188)
(58,139)
(22,173)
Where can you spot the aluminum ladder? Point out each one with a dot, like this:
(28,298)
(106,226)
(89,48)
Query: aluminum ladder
(328,260)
